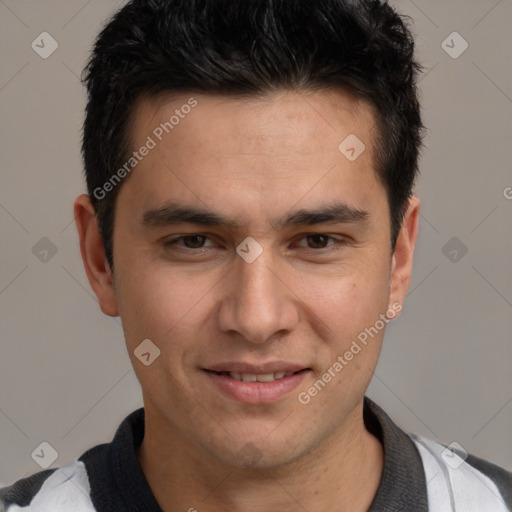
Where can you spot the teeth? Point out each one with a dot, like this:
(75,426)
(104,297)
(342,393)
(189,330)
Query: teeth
(265,377)
(262,377)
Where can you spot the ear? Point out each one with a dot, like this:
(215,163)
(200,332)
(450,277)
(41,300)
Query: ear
(402,259)
(93,255)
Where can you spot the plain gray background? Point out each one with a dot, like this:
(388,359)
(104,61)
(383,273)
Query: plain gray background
(445,369)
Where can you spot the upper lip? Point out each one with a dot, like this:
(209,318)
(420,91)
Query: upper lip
(256,368)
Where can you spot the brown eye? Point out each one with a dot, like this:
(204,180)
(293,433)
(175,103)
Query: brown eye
(318,241)
(320,244)
(193,241)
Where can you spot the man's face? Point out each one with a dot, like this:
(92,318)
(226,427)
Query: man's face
(299,305)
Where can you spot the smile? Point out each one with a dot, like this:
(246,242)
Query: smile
(256,377)
(256,388)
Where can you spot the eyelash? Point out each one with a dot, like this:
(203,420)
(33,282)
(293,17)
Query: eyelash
(174,241)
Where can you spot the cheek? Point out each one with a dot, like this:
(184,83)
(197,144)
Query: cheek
(347,302)
(351,310)
(169,310)
(162,305)
(348,308)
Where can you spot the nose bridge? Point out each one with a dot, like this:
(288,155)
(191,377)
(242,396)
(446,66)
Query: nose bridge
(260,304)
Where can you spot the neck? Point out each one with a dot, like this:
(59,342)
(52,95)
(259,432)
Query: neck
(342,473)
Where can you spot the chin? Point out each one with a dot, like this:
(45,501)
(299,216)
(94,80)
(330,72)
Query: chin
(258,452)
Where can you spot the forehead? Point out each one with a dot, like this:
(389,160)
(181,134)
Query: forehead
(288,144)
(271,123)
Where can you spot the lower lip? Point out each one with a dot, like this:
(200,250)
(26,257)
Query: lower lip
(256,392)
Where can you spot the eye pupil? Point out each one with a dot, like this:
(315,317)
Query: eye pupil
(318,237)
(194,245)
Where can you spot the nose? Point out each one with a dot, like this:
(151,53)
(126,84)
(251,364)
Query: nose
(259,304)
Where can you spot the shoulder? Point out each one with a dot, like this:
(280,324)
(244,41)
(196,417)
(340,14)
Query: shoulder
(463,480)
(98,478)
(64,489)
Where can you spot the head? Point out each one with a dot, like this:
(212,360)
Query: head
(243,107)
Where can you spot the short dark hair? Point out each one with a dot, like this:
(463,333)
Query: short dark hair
(252,47)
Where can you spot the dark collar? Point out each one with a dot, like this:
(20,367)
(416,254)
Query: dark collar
(118,483)
(402,486)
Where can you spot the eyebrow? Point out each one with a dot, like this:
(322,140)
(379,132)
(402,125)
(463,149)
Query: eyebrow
(176,213)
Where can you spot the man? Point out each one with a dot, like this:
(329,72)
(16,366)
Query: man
(250,218)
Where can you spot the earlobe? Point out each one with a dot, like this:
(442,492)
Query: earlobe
(94,259)
(402,260)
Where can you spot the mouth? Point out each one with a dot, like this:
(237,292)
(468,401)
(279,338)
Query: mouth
(258,377)
(256,385)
